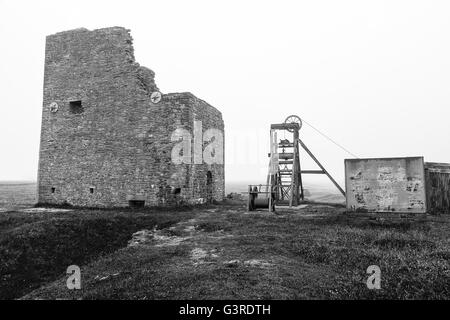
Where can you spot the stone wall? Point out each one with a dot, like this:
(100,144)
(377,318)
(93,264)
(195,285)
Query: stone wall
(115,147)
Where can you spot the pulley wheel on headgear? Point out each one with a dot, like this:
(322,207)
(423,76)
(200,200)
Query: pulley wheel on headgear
(294,119)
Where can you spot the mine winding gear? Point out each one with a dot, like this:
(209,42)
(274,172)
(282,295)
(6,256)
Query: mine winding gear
(284,179)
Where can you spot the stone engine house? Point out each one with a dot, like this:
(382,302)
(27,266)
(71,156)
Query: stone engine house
(107,133)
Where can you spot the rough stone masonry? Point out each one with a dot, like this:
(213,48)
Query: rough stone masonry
(104,141)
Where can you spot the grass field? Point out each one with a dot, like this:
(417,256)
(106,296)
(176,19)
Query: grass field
(37,247)
(17,194)
(222,252)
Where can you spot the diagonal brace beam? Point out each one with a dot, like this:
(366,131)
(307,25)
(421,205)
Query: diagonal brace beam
(321,167)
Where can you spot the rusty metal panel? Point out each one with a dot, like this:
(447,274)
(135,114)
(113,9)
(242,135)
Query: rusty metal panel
(386,185)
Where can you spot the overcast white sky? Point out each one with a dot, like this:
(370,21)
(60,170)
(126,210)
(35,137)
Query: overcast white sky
(374,75)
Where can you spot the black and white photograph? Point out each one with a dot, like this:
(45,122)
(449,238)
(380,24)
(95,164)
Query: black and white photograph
(226,155)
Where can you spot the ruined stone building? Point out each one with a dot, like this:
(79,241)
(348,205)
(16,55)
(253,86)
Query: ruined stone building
(107,133)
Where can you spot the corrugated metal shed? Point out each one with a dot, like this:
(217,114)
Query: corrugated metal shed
(437,177)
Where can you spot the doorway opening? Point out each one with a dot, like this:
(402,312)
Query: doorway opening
(209,186)
(136,203)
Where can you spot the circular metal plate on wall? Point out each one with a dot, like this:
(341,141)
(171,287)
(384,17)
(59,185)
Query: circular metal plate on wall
(156,97)
(54,107)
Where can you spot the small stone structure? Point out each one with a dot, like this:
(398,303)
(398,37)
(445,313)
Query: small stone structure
(386,184)
(402,185)
(107,133)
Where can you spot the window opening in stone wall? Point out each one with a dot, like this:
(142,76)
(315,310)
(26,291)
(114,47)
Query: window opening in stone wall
(209,178)
(91,190)
(209,191)
(53,189)
(136,203)
(76,107)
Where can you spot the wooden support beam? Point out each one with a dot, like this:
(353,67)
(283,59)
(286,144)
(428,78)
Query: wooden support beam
(285,126)
(285,155)
(313,171)
(286,145)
